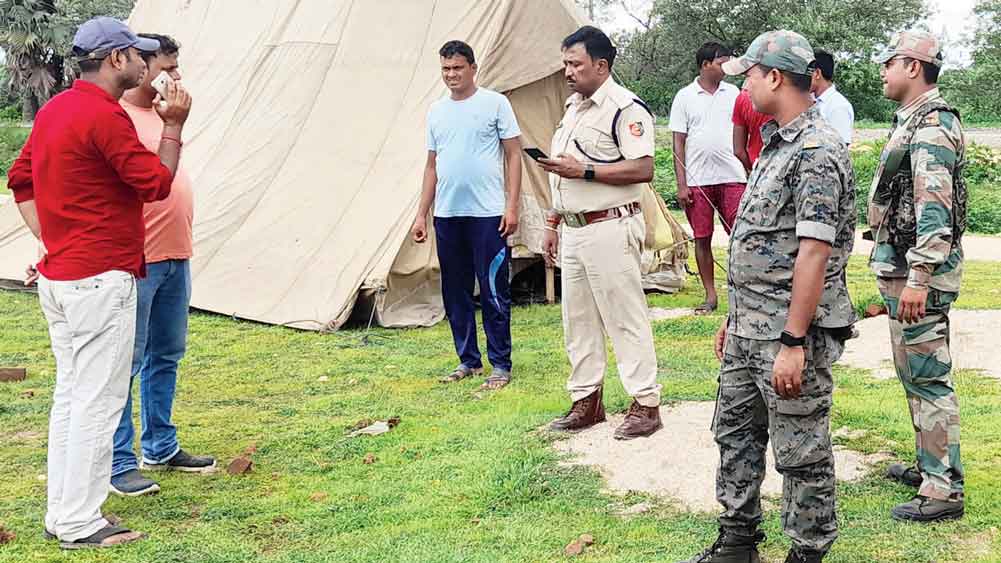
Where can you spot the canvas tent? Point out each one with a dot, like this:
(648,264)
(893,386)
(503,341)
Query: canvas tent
(306,146)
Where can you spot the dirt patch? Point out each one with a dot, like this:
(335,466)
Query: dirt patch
(974,547)
(680,461)
(973,340)
(661,314)
(982,136)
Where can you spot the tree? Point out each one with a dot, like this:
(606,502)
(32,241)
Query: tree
(33,40)
(36,37)
(972,89)
(659,60)
(595,10)
(987,36)
(72,13)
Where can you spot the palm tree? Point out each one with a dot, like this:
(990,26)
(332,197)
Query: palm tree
(33,37)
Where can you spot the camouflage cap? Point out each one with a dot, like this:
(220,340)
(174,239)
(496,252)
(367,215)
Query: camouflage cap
(781,49)
(918,45)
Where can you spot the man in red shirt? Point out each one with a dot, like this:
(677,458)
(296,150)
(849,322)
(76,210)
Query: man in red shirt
(747,123)
(80,183)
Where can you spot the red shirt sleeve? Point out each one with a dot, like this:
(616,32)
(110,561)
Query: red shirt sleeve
(740,110)
(19,178)
(134,163)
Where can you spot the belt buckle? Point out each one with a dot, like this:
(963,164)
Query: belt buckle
(575,220)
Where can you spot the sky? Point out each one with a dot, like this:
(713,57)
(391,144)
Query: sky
(952,21)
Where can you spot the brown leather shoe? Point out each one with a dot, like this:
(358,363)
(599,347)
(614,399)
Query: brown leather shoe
(640,421)
(583,414)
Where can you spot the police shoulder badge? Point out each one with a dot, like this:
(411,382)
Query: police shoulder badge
(636,129)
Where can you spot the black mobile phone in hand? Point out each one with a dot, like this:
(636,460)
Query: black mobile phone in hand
(535,153)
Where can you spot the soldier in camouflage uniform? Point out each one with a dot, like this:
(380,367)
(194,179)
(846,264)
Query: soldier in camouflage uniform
(789,312)
(917,214)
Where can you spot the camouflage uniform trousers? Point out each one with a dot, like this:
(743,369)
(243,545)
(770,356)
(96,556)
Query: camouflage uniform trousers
(749,412)
(924,365)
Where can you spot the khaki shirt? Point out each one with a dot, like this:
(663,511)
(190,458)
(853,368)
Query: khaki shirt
(586,134)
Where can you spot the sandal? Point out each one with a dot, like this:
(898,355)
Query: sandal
(99,539)
(706,308)
(497,380)
(459,373)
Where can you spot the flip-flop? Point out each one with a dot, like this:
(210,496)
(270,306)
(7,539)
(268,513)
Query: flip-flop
(97,539)
(495,382)
(706,308)
(459,373)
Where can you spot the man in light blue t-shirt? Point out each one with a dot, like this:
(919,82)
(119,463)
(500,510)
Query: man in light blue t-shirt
(472,139)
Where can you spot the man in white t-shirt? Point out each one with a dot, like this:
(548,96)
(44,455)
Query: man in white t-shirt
(710,177)
(833,106)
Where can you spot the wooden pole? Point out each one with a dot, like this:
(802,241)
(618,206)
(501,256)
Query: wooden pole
(550,284)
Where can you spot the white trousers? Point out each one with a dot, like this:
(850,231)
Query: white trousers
(92,325)
(603,295)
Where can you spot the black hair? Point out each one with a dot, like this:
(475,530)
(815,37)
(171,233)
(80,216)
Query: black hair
(456,47)
(711,51)
(825,62)
(931,72)
(928,70)
(596,43)
(87,65)
(168,46)
(801,82)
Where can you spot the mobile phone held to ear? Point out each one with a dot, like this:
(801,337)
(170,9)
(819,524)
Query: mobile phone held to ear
(535,153)
(160,85)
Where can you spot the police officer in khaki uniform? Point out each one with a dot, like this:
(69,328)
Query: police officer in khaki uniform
(601,157)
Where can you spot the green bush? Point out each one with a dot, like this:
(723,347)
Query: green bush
(10,114)
(970,90)
(663,176)
(11,141)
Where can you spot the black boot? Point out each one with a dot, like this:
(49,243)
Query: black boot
(731,548)
(924,509)
(796,556)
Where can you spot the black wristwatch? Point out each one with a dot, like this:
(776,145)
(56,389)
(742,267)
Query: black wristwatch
(589,172)
(790,341)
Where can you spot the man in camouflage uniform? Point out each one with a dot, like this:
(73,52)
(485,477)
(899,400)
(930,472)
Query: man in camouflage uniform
(789,312)
(917,214)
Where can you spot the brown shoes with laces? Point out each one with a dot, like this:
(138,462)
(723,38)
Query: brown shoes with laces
(583,414)
(640,422)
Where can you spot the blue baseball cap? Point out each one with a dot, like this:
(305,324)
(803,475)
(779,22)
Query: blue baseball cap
(97,37)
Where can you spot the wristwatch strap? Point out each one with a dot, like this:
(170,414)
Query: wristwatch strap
(787,339)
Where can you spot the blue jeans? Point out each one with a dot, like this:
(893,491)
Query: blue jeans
(161,335)
(470,249)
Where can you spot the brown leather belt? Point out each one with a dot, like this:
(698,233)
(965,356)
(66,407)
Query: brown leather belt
(577,220)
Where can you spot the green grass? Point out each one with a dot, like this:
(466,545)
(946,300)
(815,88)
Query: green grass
(12,138)
(462,478)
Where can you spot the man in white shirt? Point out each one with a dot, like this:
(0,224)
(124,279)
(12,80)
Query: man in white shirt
(833,106)
(710,177)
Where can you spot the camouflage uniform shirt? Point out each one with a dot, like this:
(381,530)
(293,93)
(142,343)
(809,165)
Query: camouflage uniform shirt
(937,146)
(802,186)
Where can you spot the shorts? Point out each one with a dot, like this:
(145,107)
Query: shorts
(724,198)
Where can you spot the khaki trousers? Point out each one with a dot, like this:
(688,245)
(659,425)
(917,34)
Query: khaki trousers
(603,296)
